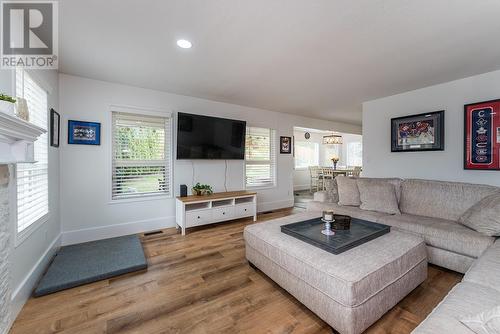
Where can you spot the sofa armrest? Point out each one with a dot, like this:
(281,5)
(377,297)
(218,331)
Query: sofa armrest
(320,196)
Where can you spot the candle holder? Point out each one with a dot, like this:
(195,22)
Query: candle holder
(328,218)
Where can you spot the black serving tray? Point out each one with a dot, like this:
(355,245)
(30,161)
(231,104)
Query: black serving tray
(361,231)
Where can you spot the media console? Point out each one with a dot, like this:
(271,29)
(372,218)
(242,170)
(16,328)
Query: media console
(193,211)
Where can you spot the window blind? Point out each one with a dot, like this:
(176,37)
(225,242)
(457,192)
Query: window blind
(141,155)
(260,157)
(32,179)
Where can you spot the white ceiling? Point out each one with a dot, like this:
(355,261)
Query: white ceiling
(318,58)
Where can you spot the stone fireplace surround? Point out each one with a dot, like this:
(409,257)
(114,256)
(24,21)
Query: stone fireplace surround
(5,290)
(17,139)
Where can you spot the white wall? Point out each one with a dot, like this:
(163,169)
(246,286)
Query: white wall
(86,211)
(378,161)
(301,176)
(29,258)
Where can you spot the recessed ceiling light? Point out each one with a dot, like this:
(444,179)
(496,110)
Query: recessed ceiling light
(184,43)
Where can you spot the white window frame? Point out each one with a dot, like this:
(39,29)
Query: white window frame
(273,161)
(21,236)
(318,149)
(146,112)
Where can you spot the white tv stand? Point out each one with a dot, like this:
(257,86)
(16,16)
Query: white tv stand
(193,211)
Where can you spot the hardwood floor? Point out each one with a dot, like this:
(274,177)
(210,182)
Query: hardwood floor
(201,283)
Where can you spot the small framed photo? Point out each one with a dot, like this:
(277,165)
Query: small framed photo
(422,132)
(285,145)
(482,135)
(55,128)
(84,133)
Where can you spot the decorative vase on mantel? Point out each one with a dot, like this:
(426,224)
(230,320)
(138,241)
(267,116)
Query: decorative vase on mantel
(22,109)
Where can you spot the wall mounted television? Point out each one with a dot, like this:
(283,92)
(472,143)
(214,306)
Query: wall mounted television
(204,137)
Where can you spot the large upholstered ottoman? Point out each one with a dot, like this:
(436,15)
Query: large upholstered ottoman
(349,291)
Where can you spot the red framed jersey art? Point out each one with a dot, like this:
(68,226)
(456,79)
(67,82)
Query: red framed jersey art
(482,135)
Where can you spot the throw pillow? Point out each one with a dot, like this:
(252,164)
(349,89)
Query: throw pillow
(331,190)
(378,195)
(487,322)
(484,216)
(348,191)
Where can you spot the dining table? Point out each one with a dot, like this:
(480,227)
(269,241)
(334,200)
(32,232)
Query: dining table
(330,173)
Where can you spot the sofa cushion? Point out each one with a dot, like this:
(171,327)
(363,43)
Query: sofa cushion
(378,195)
(486,269)
(486,322)
(465,299)
(441,233)
(350,278)
(348,191)
(331,190)
(446,200)
(484,216)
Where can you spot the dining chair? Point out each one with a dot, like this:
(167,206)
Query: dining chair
(356,172)
(316,178)
(328,174)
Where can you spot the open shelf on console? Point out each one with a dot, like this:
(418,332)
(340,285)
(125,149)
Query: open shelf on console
(197,206)
(225,202)
(243,200)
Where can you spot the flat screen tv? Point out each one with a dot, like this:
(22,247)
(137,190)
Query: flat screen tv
(204,137)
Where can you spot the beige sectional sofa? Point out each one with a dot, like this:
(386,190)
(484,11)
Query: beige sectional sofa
(432,210)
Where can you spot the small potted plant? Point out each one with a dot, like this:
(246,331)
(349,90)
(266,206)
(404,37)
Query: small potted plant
(7,104)
(202,189)
(335,159)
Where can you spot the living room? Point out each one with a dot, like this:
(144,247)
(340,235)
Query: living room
(152,155)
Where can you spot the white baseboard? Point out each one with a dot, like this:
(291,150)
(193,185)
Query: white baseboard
(111,231)
(23,291)
(268,206)
(301,187)
(117,230)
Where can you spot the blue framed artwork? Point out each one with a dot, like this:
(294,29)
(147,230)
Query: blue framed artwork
(84,133)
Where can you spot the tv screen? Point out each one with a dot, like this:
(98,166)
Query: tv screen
(204,137)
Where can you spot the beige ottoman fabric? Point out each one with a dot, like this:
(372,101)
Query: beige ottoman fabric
(351,290)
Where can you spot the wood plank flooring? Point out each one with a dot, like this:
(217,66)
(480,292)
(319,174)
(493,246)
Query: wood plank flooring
(201,283)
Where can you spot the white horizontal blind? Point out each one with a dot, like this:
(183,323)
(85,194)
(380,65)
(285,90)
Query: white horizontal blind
(141,155)
(33,179)
(260,157)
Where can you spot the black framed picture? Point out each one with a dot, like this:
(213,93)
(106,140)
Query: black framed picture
(84,133)
(422,132)
(55,128)
(285,145)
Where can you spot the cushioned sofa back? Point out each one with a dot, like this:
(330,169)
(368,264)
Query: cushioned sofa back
(438,199)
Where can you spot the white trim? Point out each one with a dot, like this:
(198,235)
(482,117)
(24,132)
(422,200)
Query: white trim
(23,235)
(140,110)
(142,198)
(109,137)
(23,291)
(44,84)
(116,230)
(256,188)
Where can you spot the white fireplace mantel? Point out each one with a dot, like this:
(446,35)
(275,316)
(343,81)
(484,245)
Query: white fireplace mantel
(17,139)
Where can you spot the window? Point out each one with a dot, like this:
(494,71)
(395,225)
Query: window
(306,154)
(141,155)
(260,157)
(355,154)
(33,178)
(329,152)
